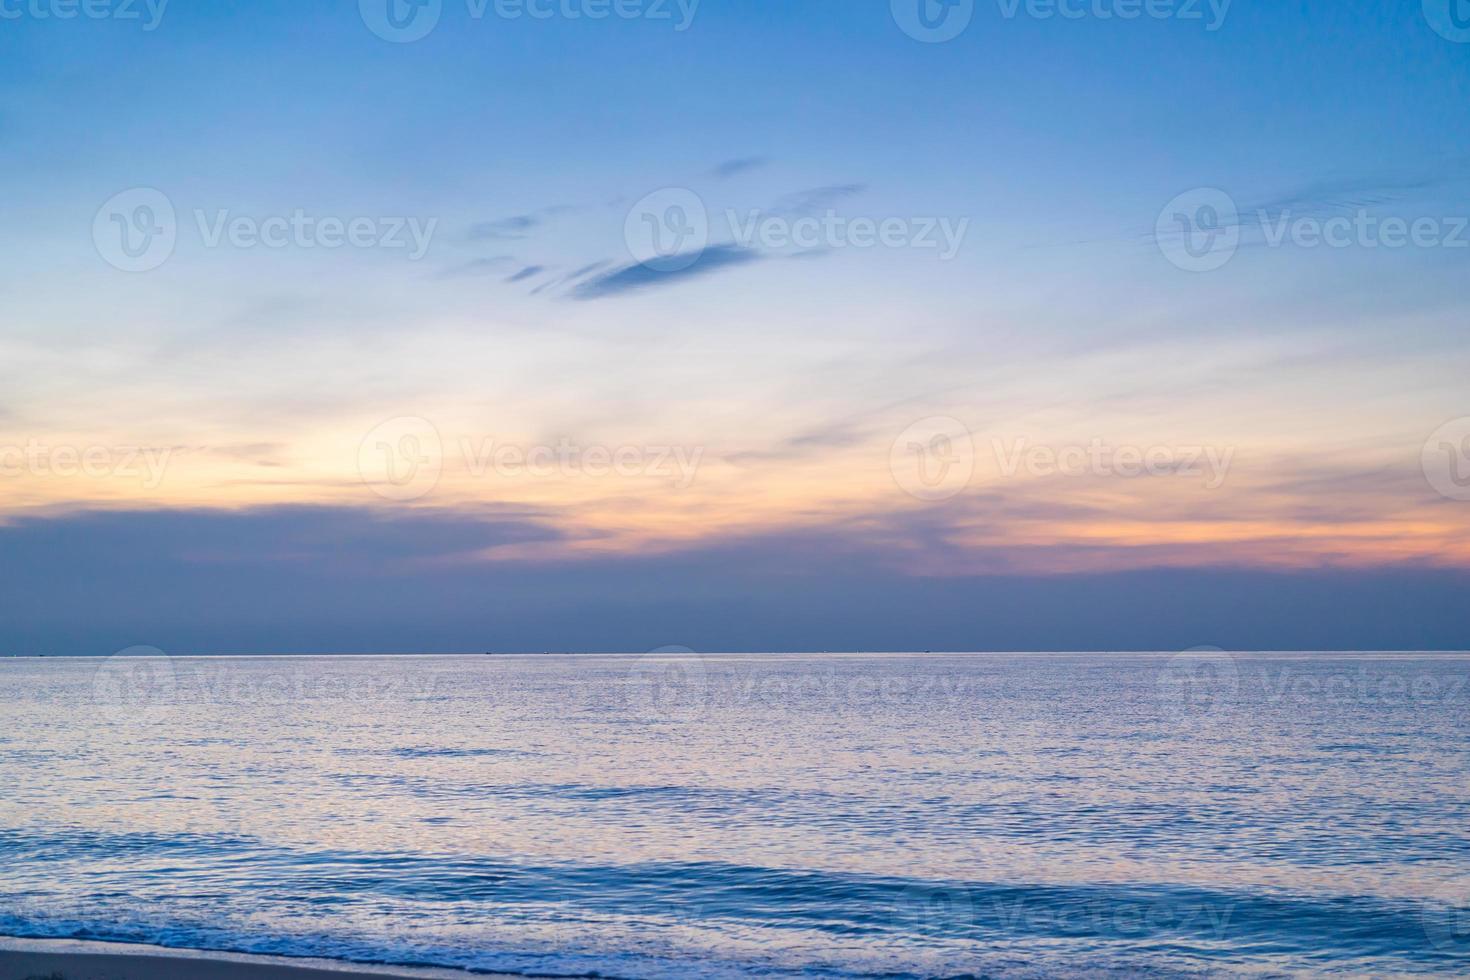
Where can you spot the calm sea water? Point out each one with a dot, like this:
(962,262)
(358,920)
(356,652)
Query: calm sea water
(675,815)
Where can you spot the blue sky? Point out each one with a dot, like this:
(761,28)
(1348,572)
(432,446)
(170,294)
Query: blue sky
(523,152)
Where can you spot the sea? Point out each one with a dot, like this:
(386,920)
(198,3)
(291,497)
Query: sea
(675,814)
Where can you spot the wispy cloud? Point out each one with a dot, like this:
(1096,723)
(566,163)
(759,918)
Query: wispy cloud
(587,270)
(637,276)
(525,273)
(512,227)
(815,442)
(570,277)
(739,165)
(517,226)
(815,199)
(1328,198)
(478,267)
(1325,197)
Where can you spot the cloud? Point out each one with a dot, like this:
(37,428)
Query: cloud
(512,227)
(739,165)
(1328,198)
(1323,198)
(332,579)
(478,267)
(570,277)
(815,442)
(268,454)
(517,225)
(637,276)
(815,199)
(525,273)
(587,270)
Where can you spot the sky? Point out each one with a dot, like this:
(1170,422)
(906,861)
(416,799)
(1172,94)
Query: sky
(450,325)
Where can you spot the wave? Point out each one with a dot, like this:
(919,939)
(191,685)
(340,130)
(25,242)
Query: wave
(208,892)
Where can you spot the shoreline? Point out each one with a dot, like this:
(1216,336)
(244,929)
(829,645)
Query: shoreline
(75,959)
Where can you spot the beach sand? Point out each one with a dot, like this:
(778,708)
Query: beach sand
(22,959)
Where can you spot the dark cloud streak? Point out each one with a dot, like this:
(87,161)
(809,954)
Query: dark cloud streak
(637,276)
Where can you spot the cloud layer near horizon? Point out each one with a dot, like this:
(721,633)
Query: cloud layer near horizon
(302,580)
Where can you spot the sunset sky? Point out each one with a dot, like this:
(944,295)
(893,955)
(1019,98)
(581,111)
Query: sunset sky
(1035,413)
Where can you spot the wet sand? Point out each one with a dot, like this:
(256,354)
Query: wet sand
(66,960)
